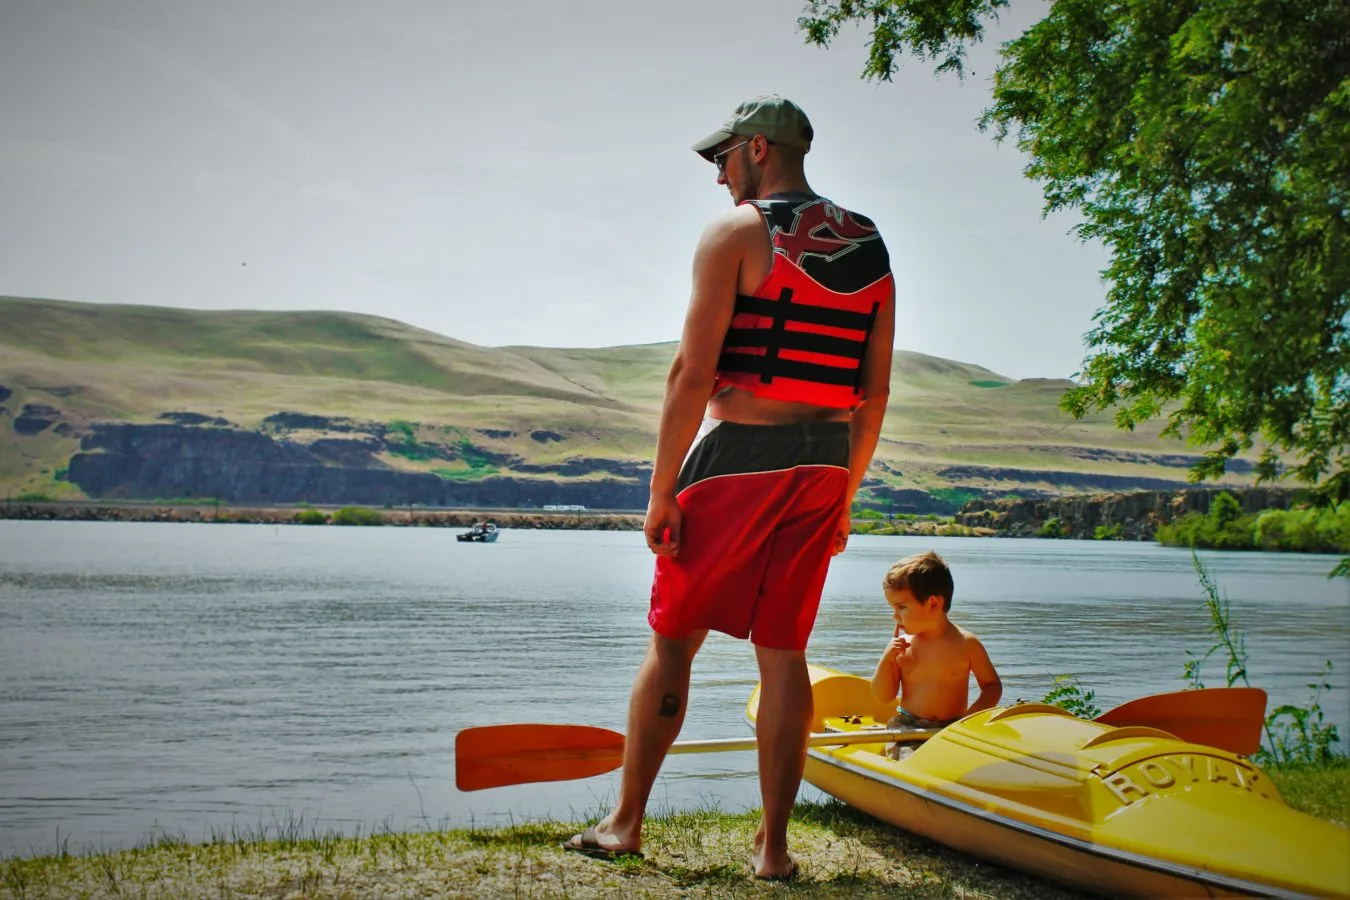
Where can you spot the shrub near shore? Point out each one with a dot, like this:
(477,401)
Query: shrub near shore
(1226,527)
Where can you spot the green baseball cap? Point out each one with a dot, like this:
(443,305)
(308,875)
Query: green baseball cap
(777,118)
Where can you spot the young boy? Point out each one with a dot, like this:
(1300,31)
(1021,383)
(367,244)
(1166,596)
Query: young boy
(930,659)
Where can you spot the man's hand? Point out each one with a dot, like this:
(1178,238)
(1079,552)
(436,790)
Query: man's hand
(662,525)
(841,530)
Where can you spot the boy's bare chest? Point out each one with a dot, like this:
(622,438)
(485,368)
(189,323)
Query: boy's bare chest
(941,660)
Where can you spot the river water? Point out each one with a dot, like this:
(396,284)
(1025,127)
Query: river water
(210,679)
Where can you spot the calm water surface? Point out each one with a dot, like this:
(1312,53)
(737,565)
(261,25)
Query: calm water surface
(199,679)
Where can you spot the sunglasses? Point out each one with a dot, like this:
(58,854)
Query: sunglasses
(720,159)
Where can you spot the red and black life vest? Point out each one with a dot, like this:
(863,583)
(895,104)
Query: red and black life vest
(802,335)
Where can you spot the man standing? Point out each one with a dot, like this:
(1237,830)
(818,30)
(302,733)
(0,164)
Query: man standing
(772,410)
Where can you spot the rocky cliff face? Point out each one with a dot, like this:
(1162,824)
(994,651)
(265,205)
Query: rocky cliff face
(173,461)
(35,418)
(298,457)
(1138,513)
(1076,480)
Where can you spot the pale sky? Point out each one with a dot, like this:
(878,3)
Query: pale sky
(499,173)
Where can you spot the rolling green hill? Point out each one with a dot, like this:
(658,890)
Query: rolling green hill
(368,392)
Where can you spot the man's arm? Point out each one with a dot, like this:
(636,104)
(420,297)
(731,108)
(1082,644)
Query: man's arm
(986,676)
(865,423)
(717,262)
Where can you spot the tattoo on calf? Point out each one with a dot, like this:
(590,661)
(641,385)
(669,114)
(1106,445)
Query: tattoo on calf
(670,706)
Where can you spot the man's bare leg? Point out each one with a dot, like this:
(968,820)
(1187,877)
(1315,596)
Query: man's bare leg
(782,726)
(655,713)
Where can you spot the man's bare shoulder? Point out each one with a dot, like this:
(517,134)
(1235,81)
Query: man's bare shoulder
(736,223)
(728,239)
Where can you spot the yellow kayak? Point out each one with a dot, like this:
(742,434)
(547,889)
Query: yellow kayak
(1129,811)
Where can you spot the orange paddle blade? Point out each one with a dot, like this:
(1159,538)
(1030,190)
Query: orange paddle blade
(1227,718)
(498,755)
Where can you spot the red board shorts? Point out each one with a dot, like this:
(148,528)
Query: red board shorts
(759,504)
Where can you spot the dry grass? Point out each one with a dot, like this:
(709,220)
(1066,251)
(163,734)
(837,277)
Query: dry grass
(694,854)
(700,853)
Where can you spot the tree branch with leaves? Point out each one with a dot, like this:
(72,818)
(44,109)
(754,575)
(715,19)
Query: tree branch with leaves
(1204,144)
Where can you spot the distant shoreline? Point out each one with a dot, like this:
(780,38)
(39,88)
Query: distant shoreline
(416,517)
(255,514)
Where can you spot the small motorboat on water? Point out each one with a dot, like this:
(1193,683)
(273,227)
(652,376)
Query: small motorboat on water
(480,533)
(1129,811)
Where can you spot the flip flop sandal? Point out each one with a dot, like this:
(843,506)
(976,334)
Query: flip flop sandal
(586,843)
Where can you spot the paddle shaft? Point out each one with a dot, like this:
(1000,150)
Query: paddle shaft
(816,740)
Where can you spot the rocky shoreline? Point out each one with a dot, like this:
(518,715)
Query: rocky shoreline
(586,520)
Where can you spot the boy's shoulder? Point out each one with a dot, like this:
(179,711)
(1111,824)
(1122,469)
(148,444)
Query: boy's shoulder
(968,637)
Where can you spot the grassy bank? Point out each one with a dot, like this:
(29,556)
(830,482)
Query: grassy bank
(1322,791)
(704,853)
(930,526)
(430,402)
(843,853)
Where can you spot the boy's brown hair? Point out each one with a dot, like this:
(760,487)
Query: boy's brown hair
(925,575)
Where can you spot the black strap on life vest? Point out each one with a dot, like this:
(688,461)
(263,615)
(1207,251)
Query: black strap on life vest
(776,337)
